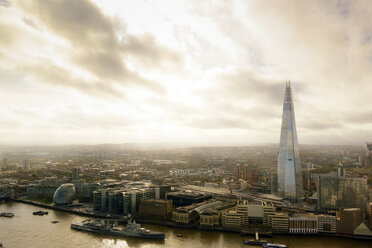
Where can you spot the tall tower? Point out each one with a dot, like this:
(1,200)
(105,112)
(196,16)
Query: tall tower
(369,154)
(289,165)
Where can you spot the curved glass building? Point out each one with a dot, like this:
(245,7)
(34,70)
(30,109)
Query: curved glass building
(65,194)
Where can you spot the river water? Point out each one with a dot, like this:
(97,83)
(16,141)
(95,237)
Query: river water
(25,230)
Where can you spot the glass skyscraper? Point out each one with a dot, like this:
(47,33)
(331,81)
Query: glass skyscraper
(289,165)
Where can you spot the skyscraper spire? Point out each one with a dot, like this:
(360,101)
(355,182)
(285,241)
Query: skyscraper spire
(289,166)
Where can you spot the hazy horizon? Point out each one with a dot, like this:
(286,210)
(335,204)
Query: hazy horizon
(162,145)
(184,72)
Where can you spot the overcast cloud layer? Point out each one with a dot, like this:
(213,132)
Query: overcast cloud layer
(198,72)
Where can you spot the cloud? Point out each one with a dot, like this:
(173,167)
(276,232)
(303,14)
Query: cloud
(244,83)
(219,122)
(5,3)
(8,35)
(100,44)
(29,22)
(187,70)
(316,126)
(55,75)
(148,51)
(359,117)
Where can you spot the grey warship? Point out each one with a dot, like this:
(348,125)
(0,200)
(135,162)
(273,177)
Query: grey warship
(105,227)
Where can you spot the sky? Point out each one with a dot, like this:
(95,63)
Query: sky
(192,72)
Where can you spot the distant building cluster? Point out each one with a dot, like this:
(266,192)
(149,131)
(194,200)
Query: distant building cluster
(124,199)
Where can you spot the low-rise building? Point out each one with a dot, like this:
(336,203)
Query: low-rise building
(155,209)
(44,188)
(210,216)
(256,213)
(303,223)
(207,214)
(209,219)
(268,212)
(180,199)
(232,220)
(280,223)
(252,212)
(186,215)
(326,224)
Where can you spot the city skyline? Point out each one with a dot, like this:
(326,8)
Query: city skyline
(91,72)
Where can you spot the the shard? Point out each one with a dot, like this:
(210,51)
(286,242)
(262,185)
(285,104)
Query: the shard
(289,165)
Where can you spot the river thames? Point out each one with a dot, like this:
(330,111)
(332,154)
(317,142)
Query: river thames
(28,230)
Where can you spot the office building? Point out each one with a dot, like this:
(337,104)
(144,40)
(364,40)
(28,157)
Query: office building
(268,212)
(303,224)
(44,188)
(186,198)
(336,192)
(274,183)
(121,200)
(341,170)
(25,164)
(231,220)
(369,214)
(246,172)
(5,165)
(208,213)
(155,209)
(347,220)
(289,166)
(255,213)
(326,224)
(209,219)
(241,171)
(280,223)
(88,189)
(252,212)
(186,215)
(65,194)
(75,173)
(368,158)
(78,186)
(211,214)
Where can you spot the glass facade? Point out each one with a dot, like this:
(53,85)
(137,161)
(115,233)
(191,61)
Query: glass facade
(289,165)
(342,192)
(65,194)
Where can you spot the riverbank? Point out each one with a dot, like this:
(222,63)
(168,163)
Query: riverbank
(35,232)
(61,208)
(174,225)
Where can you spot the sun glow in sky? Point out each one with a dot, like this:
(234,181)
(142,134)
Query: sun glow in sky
(198,72)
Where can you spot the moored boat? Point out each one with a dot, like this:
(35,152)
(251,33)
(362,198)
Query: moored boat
(40,213)
(4,214)
(254,242)
(273,245)
(105,227)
